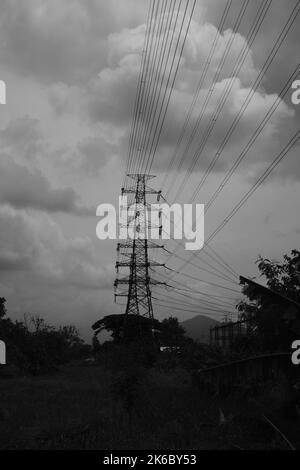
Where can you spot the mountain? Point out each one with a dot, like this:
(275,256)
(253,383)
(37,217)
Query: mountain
(198,327)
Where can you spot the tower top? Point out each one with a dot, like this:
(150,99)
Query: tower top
(140,176)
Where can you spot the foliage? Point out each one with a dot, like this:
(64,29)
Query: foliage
(133,327)
(171,333)
(283,277)
(82,409)
(126,328)
(138,350)
(266,313)
(2,307)
(36,347)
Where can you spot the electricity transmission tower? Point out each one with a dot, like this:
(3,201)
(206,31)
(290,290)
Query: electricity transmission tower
(134,252)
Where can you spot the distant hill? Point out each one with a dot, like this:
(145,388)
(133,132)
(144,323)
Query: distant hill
(198,327)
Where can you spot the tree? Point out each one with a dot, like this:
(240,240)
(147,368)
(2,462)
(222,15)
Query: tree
(36,347)
(124,328)
(274,317)
(283,277)
(171,333)
(2,307)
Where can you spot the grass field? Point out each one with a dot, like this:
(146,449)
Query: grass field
(81,407)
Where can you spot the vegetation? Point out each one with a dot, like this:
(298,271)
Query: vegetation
(34,347)
(83,407)
(274,318)
(133,394)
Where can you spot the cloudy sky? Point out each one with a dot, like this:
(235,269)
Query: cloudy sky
(71,68)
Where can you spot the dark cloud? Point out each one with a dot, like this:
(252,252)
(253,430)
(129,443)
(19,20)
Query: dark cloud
(108,99)
(17,252)
(22,137)
(38,245)
(11,261)
(61,41)
(90,157)
(22,189)
(77,64)
(95,152)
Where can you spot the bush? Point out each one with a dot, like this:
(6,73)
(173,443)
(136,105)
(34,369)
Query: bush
(35,347)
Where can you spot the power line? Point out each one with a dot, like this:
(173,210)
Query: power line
(193,311)
(152,15)
(258,183)
(227,89)
(199,87)
(201,300)
(202,280)
(156,70)
(160,127)
(249,193)
(254,137)
(265,120)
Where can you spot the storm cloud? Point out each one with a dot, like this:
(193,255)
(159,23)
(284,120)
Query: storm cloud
(72,69)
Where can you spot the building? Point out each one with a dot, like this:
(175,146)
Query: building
(285,311)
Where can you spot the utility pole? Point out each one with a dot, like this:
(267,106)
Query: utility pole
(134,252)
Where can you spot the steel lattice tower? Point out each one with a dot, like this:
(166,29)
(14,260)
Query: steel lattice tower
(134,252)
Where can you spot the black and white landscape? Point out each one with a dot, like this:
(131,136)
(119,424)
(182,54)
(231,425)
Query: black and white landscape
(142,344)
